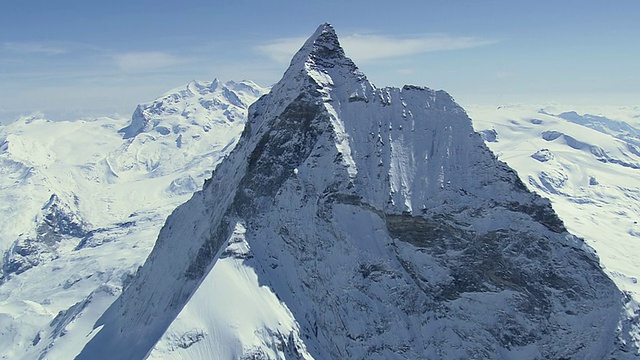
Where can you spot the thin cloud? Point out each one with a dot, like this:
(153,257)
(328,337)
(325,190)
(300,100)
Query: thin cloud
(371,47)
(374,47)
(282,50)
(33,48)
(503,74)
(145,61)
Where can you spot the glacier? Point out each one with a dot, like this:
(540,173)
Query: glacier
(351,221)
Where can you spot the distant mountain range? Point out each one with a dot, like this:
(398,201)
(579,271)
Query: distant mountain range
(83,201)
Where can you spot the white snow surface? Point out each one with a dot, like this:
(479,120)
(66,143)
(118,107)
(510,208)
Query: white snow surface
(363,223)
(82,203)
(589,171)
(231,314)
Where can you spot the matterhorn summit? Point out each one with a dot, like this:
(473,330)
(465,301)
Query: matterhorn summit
(355,222)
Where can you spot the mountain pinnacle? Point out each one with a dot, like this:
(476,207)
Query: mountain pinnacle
(383,226)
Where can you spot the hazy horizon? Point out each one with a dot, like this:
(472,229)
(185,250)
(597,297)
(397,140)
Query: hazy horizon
(74,58)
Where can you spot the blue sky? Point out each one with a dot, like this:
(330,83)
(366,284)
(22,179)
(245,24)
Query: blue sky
(71,58)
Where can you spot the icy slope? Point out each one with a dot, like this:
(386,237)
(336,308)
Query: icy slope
(384,227)
(82,203)
(588,166)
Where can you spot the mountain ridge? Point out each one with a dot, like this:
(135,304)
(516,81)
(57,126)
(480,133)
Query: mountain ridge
(447,241)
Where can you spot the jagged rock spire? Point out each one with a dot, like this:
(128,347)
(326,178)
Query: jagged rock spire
(321,47)
(322,53)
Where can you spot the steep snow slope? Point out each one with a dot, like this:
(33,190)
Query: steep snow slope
(82,203)
(383,226)
(589,167)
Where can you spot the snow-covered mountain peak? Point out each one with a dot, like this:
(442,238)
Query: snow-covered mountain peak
(198,104)
(383,226)
(321,63)
(199,118)
(322,48)
(55,223)
(214,84)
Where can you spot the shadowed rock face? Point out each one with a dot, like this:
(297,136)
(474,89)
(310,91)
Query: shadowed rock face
(289,141)
(57,223)
(490,258)
(384,225)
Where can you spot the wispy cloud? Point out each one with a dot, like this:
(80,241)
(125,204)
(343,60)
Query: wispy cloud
(371,47)
(282,50)
(33,48)
(145,61)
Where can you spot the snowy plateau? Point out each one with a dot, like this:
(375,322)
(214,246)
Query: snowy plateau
(342,221)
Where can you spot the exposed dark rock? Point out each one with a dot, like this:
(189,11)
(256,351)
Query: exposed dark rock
(57,223)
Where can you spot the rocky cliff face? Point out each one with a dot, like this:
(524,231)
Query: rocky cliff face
(383,226)
(57,223)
